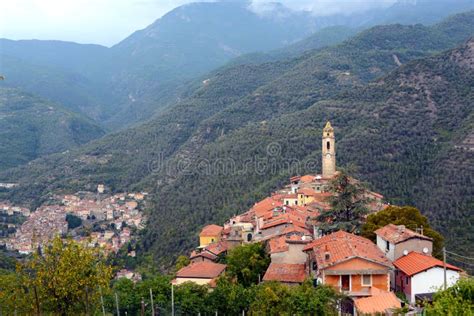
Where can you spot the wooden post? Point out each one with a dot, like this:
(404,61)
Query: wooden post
(87,301)
(172,300)
(152,304)
(38,310)
(102,301)
(117,304)
(142,313)
(444,267)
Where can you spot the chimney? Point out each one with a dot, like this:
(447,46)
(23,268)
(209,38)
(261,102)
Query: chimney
(401,228)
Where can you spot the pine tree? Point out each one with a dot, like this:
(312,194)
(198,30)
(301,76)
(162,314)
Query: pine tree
(349,204)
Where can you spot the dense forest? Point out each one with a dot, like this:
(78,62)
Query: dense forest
(401,106)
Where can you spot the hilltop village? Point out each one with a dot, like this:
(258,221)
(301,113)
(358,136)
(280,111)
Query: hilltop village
(96,219)
(285,222)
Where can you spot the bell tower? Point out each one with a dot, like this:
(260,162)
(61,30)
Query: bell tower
(329,151)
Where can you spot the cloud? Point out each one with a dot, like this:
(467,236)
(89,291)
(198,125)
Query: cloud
(326,7)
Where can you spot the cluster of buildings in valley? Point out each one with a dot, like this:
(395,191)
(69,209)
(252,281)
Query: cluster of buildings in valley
(368,273)
(106,221)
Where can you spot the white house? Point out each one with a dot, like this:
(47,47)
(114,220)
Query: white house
(397,240)
(420,274)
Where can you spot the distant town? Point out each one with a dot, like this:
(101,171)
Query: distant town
(97,219)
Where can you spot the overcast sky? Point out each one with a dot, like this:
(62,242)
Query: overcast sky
(107,22)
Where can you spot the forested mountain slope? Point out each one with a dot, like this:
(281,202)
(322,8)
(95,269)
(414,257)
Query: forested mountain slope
(31,127)
(397,129)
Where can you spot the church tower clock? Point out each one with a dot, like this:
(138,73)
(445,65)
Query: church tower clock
(329,151)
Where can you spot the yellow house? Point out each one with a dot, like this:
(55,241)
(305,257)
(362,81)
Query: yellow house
(305,196)
(210,234)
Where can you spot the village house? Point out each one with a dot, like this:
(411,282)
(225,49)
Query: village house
(211,252)
(202,273)
(397,240)
(419,275)
(350,263)
(210,234)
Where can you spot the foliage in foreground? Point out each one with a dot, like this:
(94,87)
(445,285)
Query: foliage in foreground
(65,279)
(456,300)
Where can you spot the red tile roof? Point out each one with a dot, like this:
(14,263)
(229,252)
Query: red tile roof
(211,231)
(287,218)
(278,244)
(416,262)
(377,303)
(342,246)
(266,205)
(296,229)
(203,270)
(307,178)
(398,233)
(284,272)
(204,254)
(307,191)
(217,247)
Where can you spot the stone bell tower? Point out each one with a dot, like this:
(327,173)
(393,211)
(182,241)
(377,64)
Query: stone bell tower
(329,151)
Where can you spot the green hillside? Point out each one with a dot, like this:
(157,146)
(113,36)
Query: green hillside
(398,113)
(31,127)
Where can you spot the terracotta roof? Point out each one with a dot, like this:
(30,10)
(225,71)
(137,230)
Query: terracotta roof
(307,191)
(217,247)
(287,218)
(416,262)
(307,178)
(266,205)
(296,229)
(284,272)
(204,254)
(342,246)
(211,231)
(378,303)
(278,244)
(398,233)
(204,270)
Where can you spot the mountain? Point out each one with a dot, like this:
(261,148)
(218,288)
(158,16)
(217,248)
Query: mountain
(398,105)
(31,127)
(146,72)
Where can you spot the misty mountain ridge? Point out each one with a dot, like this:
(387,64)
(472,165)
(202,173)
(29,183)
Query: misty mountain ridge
(144,73)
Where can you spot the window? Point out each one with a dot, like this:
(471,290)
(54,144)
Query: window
(345,282)
(406,280)
(328,145)
(366,280)
(249,237)
(387,246)
(315,267)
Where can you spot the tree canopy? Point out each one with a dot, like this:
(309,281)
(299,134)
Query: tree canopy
(348,204)
(248,263)
(66,278)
